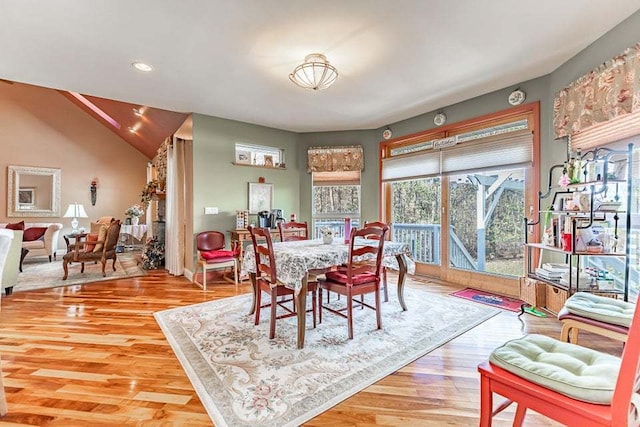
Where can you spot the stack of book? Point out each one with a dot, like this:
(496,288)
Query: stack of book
(553,271)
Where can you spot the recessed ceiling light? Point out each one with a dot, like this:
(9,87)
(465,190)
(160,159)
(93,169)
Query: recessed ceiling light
(132,129)
(137,112)
(141,66)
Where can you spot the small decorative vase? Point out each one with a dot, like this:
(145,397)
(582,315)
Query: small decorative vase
(135,220)
(327,239)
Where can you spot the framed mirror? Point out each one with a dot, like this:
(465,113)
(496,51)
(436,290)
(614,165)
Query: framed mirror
(33,192)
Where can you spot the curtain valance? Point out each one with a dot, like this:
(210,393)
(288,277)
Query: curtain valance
(609,91)
(331,159)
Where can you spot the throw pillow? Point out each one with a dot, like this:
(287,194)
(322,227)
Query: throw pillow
(33,233)
(95,228)
(102,236)
(88,247)
(216,254)
(15,226)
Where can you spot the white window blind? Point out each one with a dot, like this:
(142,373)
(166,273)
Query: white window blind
(411,166)
(610,131)
(508,149)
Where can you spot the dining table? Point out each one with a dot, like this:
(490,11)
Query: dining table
(294,260)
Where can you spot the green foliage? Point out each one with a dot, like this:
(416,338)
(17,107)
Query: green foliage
(338,199)
(418,202)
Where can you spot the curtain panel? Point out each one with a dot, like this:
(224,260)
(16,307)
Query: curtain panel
(334,159)
(609,91)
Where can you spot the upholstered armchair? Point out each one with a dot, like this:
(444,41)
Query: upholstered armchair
(9,276)
(100,250)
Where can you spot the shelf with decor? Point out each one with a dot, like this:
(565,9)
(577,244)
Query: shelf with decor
(588,222)
(277,167)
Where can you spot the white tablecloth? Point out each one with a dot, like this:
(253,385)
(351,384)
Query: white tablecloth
(137,231)
(295,258)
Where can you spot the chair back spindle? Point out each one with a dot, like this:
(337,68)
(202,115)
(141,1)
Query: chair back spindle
(301,227)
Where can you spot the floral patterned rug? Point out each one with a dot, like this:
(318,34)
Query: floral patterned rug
(245,379)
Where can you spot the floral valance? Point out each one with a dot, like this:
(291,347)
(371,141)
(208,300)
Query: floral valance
(332,159)
(611,90)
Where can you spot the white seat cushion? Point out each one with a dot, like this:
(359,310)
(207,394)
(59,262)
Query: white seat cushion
(599,308)
(575,371)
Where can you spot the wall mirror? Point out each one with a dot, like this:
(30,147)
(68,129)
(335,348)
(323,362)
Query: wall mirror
(33,192)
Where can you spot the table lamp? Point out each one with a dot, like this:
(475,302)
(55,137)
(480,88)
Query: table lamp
(75,211)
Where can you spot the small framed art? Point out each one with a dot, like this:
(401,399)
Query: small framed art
(243,157)
(260,197)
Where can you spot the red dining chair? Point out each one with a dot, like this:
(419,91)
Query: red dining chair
(213,256)
(267,281)
(594,388)
(384,269)
(301,227)
(356,279)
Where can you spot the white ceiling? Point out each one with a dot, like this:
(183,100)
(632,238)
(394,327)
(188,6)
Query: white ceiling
(231,58)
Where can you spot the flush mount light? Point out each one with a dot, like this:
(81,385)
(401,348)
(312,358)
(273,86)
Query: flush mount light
(316,73)
(141,66)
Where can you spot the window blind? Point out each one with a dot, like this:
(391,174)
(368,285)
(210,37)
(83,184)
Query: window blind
(336,178)
(411,166)
(508,149)
(599,135)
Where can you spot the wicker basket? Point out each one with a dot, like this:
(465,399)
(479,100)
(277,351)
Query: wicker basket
(555,299)
(533,292)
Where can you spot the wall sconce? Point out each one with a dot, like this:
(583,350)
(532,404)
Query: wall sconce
(94,191)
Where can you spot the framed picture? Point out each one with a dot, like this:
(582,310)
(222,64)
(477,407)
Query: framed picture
(243,157)
(260,197)
(26,196)
(268,161)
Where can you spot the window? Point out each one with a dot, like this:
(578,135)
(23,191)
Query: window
(336,196)
(259,155)
(458,196)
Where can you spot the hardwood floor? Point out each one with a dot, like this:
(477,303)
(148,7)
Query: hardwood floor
(94,355)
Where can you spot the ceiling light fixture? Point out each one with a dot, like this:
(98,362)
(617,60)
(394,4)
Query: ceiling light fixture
(316,73)
(141,66)
(138,112)
(132,129)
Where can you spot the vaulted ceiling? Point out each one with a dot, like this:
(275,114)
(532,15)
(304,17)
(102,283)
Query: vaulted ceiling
(231,59)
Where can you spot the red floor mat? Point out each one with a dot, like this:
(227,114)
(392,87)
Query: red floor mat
(488,298)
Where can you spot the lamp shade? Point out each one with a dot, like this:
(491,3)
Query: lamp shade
(75,210)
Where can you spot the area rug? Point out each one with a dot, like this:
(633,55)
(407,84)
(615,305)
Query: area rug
(488,298)
(38,273)
(245,379)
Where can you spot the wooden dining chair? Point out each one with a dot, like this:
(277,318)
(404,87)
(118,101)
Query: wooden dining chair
(267,281)
(568,383)
(357,278)
(380,224)
(301,227)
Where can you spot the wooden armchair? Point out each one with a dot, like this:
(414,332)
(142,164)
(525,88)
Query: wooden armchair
(103,250)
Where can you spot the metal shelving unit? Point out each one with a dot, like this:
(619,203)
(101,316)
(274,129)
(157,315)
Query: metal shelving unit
(588,215)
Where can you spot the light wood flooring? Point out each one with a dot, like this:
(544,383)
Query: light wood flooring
(94,355)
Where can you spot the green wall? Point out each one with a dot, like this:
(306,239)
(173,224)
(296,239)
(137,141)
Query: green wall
(219,183)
